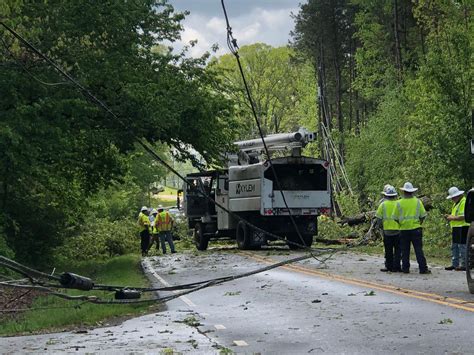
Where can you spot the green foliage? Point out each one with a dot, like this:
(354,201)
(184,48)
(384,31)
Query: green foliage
(377,156)
(349,204)
(420,131)
(59,149)
(446,321)
(5,250)
(437,234)
(281,86)
(100,238)
(329,229)
(409,74)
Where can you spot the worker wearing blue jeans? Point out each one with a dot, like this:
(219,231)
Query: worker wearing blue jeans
(164,223)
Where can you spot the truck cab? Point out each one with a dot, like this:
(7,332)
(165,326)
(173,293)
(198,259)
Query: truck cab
(199,192)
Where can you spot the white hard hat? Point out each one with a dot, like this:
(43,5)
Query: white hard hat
(153,211)
(408,187)
(144,208)
(389,190)
(454,192)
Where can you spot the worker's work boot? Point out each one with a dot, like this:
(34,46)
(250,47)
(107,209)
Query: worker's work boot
(427,271)
(449,268)
(461,268)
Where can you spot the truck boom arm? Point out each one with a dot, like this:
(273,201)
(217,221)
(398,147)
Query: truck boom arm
(277,141)
(250,151)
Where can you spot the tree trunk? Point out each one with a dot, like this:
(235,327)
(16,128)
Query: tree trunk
(351,81)
(5,181)
(357,116)
(398,51)
(337,73)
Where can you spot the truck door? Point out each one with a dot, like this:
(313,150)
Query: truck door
(196,203)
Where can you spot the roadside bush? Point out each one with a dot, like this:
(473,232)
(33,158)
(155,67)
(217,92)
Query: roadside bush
(330,229)
(100,238)
(5,250)
(437,234)
(349,204)
(117,202)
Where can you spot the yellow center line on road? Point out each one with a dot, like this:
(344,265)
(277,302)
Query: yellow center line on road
(431,297)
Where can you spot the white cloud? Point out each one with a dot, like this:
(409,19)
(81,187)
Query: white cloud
(267,25)
(216,25)
(249,33)
(277,19)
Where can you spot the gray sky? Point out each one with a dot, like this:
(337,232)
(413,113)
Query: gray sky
(254,21)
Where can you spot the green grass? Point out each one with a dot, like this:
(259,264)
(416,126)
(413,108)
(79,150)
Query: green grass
(122,270)
(166,197)
(169,191)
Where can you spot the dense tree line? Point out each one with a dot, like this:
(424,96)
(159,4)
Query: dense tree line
(395,79)
(60,152)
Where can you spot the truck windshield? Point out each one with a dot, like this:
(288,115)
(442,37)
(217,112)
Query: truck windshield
(302,177)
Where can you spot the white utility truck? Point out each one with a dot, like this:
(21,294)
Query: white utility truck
(248,189)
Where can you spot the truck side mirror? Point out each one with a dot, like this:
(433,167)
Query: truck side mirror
(469,207)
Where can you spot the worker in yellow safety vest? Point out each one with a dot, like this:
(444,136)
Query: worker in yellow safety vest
(459,229)
(165,223)
(144,227)
(410,217)
(391,229)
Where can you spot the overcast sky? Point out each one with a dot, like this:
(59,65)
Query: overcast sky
(252,21)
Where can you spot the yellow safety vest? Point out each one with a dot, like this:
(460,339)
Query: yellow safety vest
(388,211)
(143,221)
(411,213)
(163,221)
(458,210)
(154,226)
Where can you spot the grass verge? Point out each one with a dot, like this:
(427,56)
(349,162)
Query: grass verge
(53,314)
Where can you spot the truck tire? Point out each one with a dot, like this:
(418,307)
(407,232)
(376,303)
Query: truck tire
(200,239)
(308,239)
(470,260)
(293,237)
(243,236)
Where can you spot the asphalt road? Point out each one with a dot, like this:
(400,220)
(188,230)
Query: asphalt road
(343,306)
(307,309)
